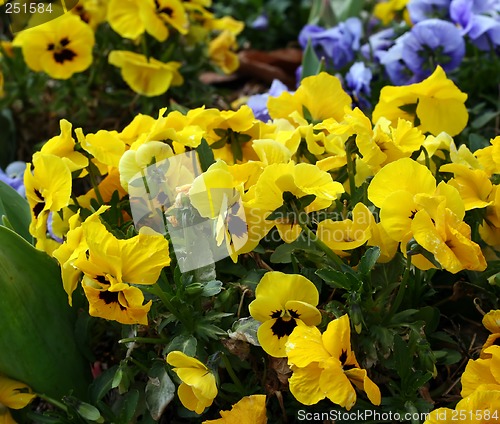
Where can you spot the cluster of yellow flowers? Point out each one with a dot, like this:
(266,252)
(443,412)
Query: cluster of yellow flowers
(64,46)
(280,172)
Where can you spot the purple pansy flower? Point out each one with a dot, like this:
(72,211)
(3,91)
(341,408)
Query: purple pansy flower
(260,23)
(395,65)
(378,44)
(14,176)
(357,82)
(420,10)
(433,42)
(337,45)
(258,102)
(479,20)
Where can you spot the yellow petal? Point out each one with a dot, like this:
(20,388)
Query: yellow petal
(304,346)
(304,384)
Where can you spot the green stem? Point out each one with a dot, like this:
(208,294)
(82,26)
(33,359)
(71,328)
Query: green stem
(322,246)
(54,402)
(402,288)
(151,340)
(156,290)
(351,171)
(232,374)
(93,181)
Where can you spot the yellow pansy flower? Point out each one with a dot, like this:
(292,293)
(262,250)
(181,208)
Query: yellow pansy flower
(249,410)
(324,366)
(92,12)
(281,187)
(109,265)
(319,97)
(473,185)
(146,76)
(133,163)
(393,190)
(63,145)
(433,105)
(123,17)
(118,302)
(221,52)
(13,395)
(138,260)
(489,230)
(198,388)
(48,188)
(489,157)
(158,15)
(448,238)
(348,233)
(283,302)
(73,245)
(491,322)
(60,47)
(481,407)
(387,11)
(481,373)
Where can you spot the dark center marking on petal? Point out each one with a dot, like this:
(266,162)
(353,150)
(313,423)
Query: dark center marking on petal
(276,314)
(51,47)
(64,55)
(283,327)
(293,314)
(64,42)
(110,297)
(412,214)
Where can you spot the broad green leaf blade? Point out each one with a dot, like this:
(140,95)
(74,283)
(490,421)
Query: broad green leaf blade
(311,65)
(160,390)
(37,345)
(16,209)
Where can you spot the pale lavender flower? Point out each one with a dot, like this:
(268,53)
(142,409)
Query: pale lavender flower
(433,42)
(357,82)
(14,176)
(378,44)
(479,20)
(260,23)
(420,10)
(337,45)
(258,102)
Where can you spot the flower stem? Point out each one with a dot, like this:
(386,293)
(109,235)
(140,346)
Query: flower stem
(151,340)
(54,402)
(232,374)
(402,288)
(314,238)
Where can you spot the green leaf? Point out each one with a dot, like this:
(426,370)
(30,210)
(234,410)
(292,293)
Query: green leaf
(102,384)
(344,9)
(484,118)
(16,209)
(128,406)
(206,155)
(160,390)
(402,358)
(184,343)
(369,260)
(339,279)
(311,65)
(211,288)
(37,346)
